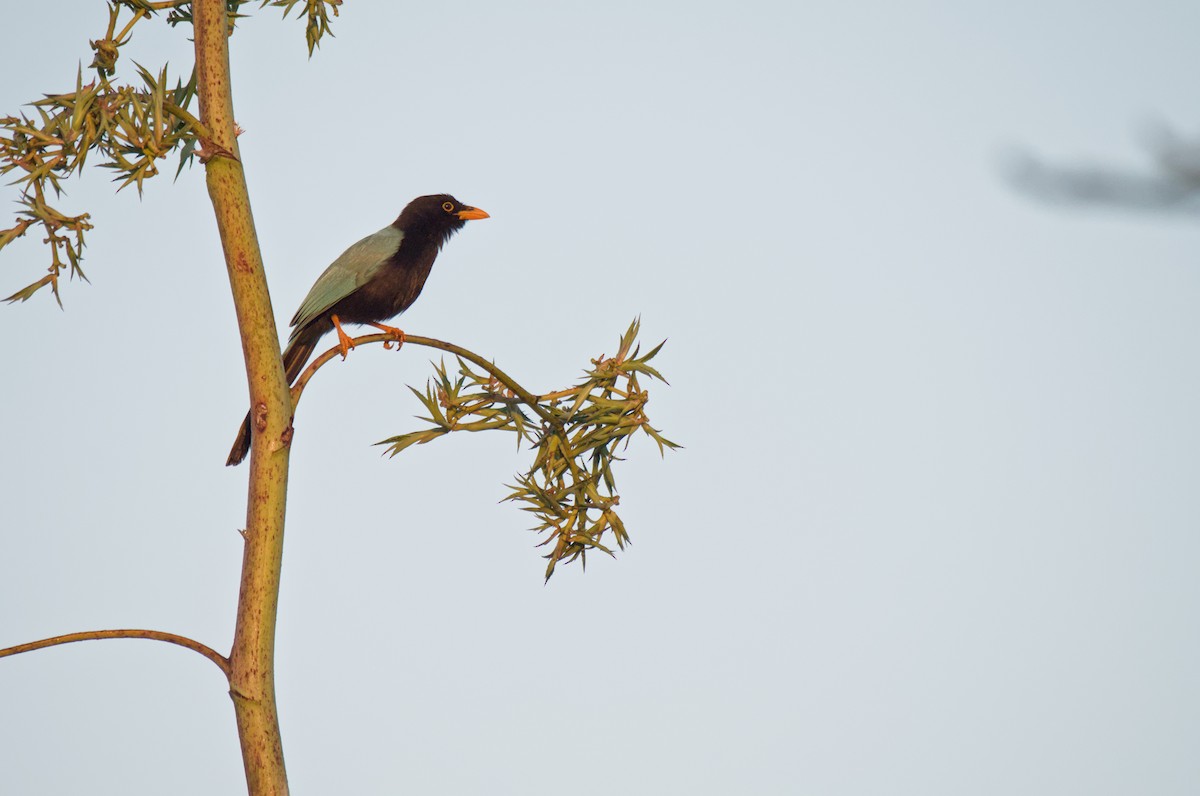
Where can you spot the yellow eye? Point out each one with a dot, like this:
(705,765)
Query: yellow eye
(448,207)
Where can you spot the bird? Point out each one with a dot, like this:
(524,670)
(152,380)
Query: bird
(373,281)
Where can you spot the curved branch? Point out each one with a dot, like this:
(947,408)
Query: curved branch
(154,635)
(528,398)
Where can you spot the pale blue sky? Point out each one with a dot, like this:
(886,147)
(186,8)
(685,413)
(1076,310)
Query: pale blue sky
(937,524)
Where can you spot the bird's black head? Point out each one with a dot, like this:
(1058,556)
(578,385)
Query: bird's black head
(435,217)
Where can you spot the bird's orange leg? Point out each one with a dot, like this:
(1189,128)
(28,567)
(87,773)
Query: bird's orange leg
(397,335)
(344,341)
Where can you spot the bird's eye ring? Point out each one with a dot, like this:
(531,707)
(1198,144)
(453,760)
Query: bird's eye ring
(448,207)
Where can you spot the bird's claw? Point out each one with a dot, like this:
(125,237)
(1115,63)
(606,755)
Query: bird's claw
(397,336)
(345,343)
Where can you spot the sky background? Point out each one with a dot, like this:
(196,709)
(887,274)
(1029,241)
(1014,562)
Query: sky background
(936,527)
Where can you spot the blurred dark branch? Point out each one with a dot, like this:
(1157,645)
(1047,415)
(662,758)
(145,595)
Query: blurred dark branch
(1172,184)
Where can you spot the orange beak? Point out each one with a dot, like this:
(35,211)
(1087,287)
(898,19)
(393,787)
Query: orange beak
(471,213)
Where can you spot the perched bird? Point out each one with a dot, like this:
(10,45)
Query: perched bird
(374,280)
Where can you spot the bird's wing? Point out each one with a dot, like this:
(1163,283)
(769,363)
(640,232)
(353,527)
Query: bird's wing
(353,269)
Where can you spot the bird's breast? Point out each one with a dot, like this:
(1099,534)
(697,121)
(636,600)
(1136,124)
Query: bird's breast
(391,290)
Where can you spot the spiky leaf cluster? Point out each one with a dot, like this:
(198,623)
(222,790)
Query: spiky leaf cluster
(576,434)
(130,127)
(317,13)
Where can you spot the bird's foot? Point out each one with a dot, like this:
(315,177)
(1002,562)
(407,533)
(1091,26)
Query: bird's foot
(393,332)
(344,341)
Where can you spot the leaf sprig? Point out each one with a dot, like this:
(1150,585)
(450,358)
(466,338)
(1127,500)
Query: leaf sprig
(317,12)
(131,127)
(577,433)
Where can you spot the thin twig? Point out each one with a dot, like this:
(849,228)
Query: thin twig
(528,398)
(120,39)
(554,396)
(200,130)
(154,635)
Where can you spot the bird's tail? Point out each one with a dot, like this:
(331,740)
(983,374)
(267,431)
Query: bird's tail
(241,445)
(298,350)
